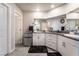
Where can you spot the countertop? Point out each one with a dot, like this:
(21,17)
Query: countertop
(70,36)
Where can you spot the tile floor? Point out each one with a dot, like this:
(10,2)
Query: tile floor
(19,51)
(23,51)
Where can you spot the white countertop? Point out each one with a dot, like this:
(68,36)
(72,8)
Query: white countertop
(72,36)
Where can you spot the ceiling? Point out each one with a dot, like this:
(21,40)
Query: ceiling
(42,6)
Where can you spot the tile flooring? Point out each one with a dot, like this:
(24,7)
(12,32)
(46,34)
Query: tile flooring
(23,51)
(20,51)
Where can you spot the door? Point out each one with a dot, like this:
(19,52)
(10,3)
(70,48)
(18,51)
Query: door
(3,30)
(18,28)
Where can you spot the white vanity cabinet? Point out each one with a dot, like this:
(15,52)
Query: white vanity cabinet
(67,46)
(72,50)
(38,39)
(51,41)
(61,45)
(72,47)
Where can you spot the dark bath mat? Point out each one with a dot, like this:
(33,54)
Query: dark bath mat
(38,49)
(54,54)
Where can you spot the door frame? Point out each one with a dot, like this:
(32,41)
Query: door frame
(18,13)
(7,24)
(9,18)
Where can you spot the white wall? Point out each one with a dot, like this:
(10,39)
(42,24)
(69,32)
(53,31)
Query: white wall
(11,34)
(29,18)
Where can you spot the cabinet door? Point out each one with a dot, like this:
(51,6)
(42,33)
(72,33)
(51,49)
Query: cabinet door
(62,45)
(54,38)
(71,47)
(51,45)
(51,41)
(47,39)
(71,50)
(41,40)
(67,47)
(35,39)
(54,41)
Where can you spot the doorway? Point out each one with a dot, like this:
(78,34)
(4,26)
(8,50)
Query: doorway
(18,28)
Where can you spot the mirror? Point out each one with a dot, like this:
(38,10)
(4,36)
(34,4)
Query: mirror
(73,19)
(70,21)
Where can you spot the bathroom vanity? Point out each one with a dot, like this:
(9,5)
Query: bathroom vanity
(66,44)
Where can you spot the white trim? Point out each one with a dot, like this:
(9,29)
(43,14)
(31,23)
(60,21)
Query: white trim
(16,12)
(11,9)
(7,22)
(9,26)
(11,51)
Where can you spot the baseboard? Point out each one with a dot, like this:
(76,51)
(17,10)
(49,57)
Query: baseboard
(11,51)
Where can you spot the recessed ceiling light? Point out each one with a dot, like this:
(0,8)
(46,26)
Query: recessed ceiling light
(52,6)
(37,9)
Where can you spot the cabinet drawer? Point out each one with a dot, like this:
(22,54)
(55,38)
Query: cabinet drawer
(51,37)
(51,40)
(48,41)
(48,35)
